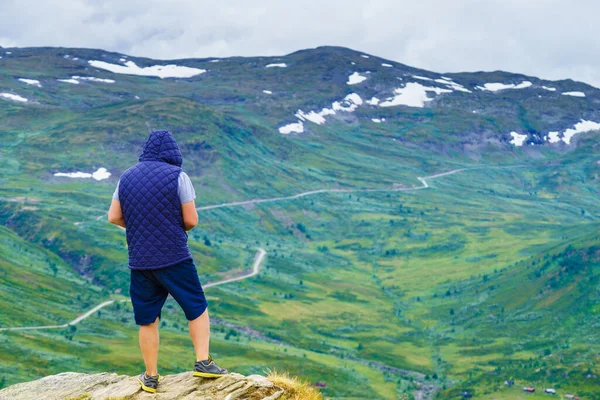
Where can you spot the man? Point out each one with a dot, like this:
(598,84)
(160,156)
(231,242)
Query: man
(154,202)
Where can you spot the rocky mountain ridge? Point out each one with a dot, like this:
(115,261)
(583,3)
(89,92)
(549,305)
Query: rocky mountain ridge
(77,386)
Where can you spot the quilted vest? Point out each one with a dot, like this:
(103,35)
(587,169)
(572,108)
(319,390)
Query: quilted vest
(156,236)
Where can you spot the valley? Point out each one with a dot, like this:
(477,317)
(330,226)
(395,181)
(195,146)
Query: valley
(424,253)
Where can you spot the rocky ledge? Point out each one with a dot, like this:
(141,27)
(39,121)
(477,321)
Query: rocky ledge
(77,386)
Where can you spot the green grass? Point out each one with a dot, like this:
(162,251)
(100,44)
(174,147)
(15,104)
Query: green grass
(469,282)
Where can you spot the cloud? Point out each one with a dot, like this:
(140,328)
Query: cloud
(553,39)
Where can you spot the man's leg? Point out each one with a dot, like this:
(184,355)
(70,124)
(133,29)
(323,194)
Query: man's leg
(200,333)
(205,366)
(183,284)
(149,340)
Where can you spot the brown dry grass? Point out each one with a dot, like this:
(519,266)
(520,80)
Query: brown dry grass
(295,388)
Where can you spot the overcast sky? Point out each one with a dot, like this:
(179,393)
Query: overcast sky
(552,39)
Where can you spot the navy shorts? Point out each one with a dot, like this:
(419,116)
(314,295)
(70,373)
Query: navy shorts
(149,290)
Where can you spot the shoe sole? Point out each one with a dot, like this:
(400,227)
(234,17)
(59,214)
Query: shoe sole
(207,375)
(146,388)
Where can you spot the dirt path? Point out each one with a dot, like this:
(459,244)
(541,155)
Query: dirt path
(261,253)
(258,259)
(425,390)
(255,270)
(423,180)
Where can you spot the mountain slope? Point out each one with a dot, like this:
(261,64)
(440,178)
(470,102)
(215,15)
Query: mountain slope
(353,292)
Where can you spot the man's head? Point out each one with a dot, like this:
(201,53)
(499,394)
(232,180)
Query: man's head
(161,146)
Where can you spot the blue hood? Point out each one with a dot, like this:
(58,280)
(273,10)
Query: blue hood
(161,146)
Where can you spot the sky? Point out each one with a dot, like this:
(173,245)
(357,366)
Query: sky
(551,39)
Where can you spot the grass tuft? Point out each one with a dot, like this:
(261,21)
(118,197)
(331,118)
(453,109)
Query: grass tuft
(85,396)
(295,388)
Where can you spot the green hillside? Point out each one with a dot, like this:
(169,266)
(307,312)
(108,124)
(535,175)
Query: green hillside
(486,274)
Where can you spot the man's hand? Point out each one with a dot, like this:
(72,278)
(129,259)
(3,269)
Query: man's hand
(115,214)
(190,215)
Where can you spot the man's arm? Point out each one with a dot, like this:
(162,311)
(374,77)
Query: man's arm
(115,214)
(190,215)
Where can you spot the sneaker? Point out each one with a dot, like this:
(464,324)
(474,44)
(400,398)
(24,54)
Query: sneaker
(149,383)
(208,369)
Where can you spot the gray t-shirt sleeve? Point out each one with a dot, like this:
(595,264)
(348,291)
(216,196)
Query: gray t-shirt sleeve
(185,188)
(116,193)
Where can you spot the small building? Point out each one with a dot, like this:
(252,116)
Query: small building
(509,383)
(467,395)
(549,391)
(529,389)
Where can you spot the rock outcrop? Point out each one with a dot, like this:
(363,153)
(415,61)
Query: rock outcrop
(77,386)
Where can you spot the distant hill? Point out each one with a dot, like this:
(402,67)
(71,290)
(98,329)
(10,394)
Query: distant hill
(472,108)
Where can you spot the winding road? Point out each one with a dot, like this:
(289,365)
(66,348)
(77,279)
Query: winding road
(258,259)
(423,180)
(261,253)
(425,389)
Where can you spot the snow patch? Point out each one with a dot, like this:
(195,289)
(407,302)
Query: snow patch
(581,127)
(412,95)
(378,120)
(453,85)
(373,102)
(74,174)
(574,94)
(297,127)
(315,117)
(348,104)
(365,56)
(423,78)
(494,87)
(99,175)
(33,82)
(267,92)
(553,137)
(161,71)
(122,60)
(13,97)
(353,97)
(386,65)
(215,61)
(93,79)
(75,59)
(279,65)
(137,97)
(518,139)
(355,78)
(550,89)
(73,81)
